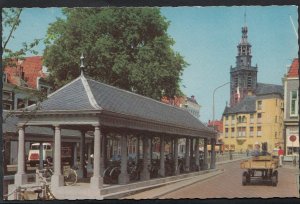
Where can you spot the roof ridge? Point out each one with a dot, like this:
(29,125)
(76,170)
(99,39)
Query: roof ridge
(66,85)
(179,108)
(89,93)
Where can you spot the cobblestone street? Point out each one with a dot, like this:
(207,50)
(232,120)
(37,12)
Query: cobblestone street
(229,185)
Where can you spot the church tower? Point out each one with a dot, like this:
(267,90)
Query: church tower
(243,77)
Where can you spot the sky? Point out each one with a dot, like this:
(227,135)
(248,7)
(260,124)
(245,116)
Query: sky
(207,38)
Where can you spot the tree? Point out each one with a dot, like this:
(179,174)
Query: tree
(124,47)
(10,22)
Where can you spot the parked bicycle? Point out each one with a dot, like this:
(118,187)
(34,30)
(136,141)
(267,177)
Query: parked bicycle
(70,175)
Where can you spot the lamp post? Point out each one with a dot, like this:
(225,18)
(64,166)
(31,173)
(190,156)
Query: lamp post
(214,102)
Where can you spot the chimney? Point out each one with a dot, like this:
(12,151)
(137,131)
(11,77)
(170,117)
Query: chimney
(193,97)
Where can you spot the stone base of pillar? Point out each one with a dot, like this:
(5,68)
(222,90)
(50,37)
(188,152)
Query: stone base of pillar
(57,181)
(96,182)
(161,172)
(123,178)
(205,166)
(145,175)
(212,166)
(80,172)
(20,179)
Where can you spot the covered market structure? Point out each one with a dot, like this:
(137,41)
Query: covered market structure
(87,105)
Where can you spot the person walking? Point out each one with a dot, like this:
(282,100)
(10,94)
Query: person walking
(280,155)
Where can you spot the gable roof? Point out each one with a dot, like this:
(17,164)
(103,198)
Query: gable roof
(87,94)
(294,68)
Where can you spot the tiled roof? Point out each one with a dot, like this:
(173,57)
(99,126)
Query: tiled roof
(293,71)
(246,105)
(265,89)
(87,94)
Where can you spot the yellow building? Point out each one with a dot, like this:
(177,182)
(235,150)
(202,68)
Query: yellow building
(255,119)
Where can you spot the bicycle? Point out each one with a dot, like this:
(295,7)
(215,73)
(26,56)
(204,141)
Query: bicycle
(70,175)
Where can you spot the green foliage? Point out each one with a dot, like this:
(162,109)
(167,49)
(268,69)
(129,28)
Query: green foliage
(124,47)
(10,22)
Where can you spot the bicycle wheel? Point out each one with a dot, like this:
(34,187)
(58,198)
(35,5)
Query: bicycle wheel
(48,173)
(70,177)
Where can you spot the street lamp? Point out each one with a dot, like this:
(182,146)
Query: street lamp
(214,102)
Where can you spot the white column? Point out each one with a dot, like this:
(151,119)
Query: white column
(205,166)
(162,156)
(89,146)
(75,155)
(187,152)
(197,154)
(57,178)
(20,176)
(81,168)
(145,174)
(213,154)
(176,156)
(123,177)
(97,180)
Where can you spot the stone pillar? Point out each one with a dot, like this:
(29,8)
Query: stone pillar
(171,147)
(82,169)
(123,177)
(191,150)
(57,178)
(105,151)
(137,149)
(187,157)
(176,156)
(197,154)
(205,166)
(89,146)
(75,154)
(151,149)
(213,154)
(102,143)
(41,164)
(145,174)
(20,176)
(97,179)
(162,156)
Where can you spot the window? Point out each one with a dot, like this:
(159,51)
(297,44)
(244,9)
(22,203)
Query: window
(259,105)
(251,131)
(226,132)
(244,119)
(251,118)
(259,117)
(20,103)
(249,81)
(232,119)
(294,103)
(259,131)
(232,132)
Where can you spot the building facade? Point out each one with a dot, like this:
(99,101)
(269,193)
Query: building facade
(255,114)
(291,109)
(22,81)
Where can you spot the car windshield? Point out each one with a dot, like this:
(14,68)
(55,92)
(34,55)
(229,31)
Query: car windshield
(35,147)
